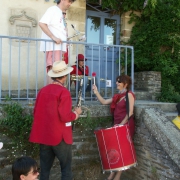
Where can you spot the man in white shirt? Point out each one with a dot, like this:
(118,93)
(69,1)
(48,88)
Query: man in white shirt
(53,28)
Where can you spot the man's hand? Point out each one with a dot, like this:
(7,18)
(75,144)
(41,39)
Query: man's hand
(78,110)
(57,40)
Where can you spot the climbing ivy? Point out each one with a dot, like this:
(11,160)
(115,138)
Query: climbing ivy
(121,6)
(156,39)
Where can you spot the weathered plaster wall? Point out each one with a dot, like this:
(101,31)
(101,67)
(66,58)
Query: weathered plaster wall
(31,63)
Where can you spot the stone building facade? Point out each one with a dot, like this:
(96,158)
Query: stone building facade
(20,19)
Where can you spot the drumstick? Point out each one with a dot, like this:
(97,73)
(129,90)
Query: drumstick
(94,75)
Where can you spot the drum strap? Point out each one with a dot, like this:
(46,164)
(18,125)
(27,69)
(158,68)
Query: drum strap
(127,104)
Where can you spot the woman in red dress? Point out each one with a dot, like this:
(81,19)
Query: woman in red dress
(118,109)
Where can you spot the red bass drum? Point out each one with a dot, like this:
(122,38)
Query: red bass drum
(116,148)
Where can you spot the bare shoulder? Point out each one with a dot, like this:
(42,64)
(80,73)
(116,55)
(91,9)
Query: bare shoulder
(131,94)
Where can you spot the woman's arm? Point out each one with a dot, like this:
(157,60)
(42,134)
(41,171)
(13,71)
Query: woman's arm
(100,98)
(131,108)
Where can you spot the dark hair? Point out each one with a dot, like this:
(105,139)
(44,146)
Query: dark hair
(22,166)
(125,79)
(58,1)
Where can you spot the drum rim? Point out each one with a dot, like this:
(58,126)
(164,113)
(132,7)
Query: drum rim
(114,127)
(122,168)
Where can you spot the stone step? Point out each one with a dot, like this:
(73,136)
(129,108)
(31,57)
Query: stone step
(171,115)
(164,106)
(143,95)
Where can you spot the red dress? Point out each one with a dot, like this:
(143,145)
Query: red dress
(120,112)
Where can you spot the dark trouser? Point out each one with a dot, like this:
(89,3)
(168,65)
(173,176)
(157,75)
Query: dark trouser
(63,152)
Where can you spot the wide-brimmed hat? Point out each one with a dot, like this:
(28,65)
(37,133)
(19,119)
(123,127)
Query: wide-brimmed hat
(80,57)
(59,69)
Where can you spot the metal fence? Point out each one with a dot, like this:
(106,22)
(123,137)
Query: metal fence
(23,67)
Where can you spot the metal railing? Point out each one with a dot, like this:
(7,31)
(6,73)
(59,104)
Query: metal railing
(23,67)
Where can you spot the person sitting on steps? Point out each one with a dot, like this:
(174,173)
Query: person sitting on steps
(81,70)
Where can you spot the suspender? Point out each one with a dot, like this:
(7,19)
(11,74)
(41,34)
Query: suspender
(127,105)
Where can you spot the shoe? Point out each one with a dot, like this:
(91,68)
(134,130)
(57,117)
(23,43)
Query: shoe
(82,99)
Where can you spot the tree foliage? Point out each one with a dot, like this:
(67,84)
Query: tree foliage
(156,39)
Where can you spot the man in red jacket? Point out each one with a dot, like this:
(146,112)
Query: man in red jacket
(51,127)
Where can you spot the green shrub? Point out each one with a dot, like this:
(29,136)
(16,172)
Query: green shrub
(17,124)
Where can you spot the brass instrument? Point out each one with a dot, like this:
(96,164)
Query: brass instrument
(79,99)
(80,94)
(79,77)
(76,34)
(82,38)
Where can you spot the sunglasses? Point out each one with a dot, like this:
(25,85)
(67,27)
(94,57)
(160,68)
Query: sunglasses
(118,81)
(64,13)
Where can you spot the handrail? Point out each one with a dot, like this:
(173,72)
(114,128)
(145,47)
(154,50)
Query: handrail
(23,66)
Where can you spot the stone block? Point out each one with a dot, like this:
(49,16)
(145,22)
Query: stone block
(77,14)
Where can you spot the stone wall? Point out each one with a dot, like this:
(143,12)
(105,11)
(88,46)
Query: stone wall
(126,27)
(148,81)
(156,141)
(157,151)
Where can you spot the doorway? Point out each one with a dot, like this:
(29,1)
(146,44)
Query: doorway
(102,33)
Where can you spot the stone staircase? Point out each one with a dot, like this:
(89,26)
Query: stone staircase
(169,109)
(86,162)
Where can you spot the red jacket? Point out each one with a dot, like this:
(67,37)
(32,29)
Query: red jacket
(53,109)
(77,71)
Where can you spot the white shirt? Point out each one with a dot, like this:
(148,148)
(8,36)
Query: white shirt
(53,17)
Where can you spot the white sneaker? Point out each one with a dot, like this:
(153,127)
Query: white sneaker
(1,145)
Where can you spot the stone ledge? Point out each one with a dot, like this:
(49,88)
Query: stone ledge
(165,132)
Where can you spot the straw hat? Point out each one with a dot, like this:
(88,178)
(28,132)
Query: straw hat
(59,69)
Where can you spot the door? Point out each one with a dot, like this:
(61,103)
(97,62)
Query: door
(102,32)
